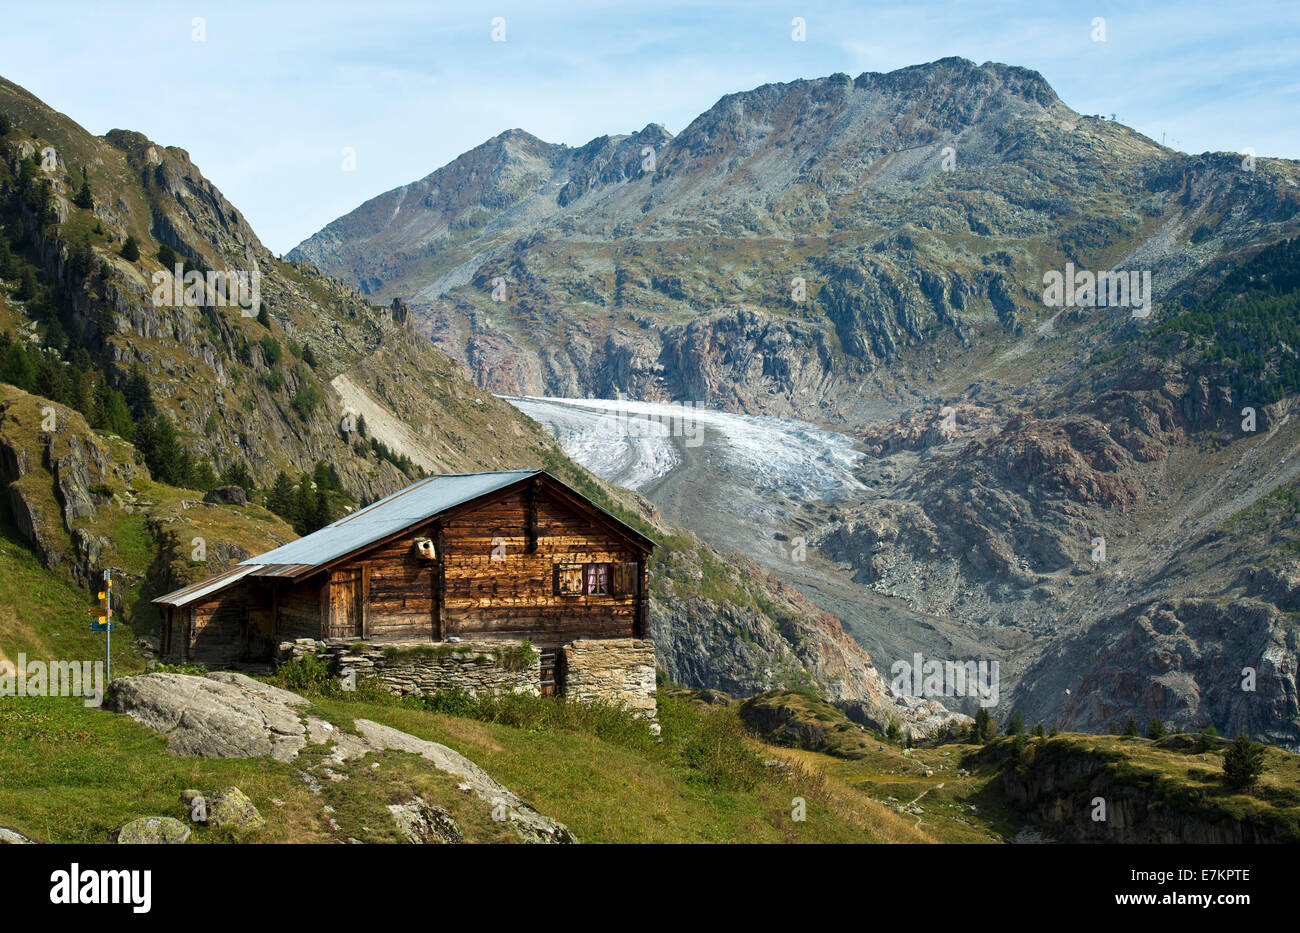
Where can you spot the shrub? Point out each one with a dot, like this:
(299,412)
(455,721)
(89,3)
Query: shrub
(305,401)
(131,250)
(310,673)
(519,657)
(1207,739)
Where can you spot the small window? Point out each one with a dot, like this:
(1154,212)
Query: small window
(569,580)
(598,579)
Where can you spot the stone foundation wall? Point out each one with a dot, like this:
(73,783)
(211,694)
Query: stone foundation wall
(413,668)
(620,671)
(612,670)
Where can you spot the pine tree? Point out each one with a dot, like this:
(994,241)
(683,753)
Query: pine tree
(1243,763)
(304,508)
(321,515)
(26,284)
(84,199)
(1155,729)
(279,498)
(18,368)
(1016,726)
(131,250)
(984,728)
(167,460)
(139,397)
(111,412)
(1131,728)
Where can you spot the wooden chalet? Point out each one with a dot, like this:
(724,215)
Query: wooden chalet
(507,556)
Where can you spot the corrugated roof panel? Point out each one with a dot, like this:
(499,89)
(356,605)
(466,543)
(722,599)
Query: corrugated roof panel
(389,515)
(187,594)
(263,571)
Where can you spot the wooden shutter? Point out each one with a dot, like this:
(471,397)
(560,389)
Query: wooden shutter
(569,580)
(626,579)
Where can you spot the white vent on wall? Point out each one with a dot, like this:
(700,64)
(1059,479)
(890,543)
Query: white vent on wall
(425,548)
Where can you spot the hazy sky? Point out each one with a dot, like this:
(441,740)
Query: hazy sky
(272,95)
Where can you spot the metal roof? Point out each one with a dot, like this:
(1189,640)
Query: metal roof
(417,502)
(187,594)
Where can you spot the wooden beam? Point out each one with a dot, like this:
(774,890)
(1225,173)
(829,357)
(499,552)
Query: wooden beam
(440,586)
(531,529)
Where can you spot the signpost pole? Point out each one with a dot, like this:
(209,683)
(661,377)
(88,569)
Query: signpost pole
(108,617)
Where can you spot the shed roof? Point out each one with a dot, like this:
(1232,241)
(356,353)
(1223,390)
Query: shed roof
(187,594)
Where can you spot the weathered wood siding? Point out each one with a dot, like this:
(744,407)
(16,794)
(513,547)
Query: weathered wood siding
(397,588)
(235,625)
(497,587)
(298,609)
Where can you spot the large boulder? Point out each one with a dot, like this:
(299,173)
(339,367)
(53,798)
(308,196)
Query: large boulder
(226,495)
(221,715)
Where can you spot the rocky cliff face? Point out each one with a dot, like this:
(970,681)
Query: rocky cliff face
(1058,785)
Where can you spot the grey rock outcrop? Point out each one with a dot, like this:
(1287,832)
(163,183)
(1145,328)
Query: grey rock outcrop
(531,825)
(221,715)
(228,715)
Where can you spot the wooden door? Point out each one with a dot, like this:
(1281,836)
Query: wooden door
(550,673)
(345,605)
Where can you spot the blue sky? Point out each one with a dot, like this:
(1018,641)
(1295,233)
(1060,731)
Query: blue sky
(269,100)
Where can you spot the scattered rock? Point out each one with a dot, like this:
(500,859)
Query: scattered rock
(10,837)
(422,824)
(153,830)
(232,809)
(196,805)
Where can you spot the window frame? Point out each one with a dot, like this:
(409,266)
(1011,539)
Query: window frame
(597,567)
